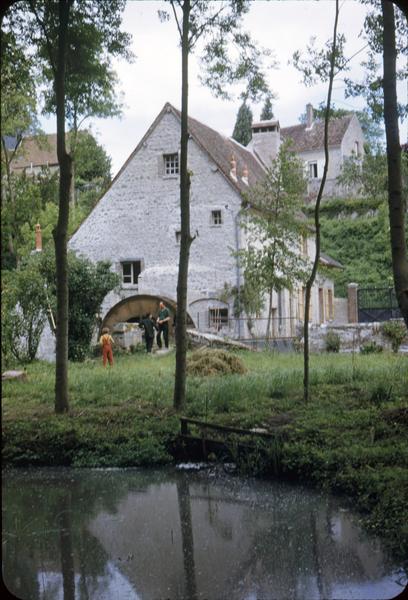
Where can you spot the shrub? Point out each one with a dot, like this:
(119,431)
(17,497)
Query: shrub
(395,332)
(371,348)
(332,341)
(23,312)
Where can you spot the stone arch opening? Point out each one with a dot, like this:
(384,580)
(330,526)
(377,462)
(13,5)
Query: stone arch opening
(130,310)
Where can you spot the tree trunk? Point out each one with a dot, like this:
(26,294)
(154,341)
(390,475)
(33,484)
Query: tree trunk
(396,203)
(310,281)
(268,324)
(60,232)
(186,239)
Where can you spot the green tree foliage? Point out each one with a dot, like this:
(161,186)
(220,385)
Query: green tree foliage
(23,312)
(273,228)
(267,110)
(88,284)
(361,245)
(242,130)
(92,171)
(370,87)
(18,109)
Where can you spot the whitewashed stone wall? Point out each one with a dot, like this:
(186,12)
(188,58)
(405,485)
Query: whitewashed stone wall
(138,217)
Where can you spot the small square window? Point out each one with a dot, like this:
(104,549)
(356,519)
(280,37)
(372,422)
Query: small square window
(171,164)
(313,170)
(131,271)
(216,217)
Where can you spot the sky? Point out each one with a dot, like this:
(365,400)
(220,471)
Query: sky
(154,78)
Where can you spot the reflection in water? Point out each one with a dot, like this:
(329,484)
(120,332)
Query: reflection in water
(151,535)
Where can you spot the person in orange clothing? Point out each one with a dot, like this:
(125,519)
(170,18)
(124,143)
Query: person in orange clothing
(106,342)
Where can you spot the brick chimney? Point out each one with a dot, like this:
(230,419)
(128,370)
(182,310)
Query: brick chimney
(266,140)
(309,116)
(38,238)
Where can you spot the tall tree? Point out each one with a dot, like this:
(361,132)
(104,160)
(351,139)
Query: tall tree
(320,64)
(18,117)
(243,125)
(218,24)
(396,201)
(267,110)
(273,227)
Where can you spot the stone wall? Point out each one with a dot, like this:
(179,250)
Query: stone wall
(352,336)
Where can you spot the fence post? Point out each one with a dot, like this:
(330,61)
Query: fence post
(352,302)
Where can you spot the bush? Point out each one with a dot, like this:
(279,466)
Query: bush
(395,332)
(371,348)
(332,341)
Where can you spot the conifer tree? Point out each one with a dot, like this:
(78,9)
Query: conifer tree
(242,131)
(267,111)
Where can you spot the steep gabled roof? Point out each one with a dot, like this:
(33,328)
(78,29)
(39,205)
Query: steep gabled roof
(312,139)
(221,148)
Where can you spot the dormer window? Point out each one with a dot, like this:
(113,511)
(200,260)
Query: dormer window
(216,217)
(171,164)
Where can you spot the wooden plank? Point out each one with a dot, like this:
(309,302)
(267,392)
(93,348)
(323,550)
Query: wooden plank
(222,428)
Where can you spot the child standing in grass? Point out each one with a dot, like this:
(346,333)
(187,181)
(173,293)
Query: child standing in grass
(106,342)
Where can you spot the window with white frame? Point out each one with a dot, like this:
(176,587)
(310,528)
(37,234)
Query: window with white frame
(313,169)
(131,271)
(356,148)
(216,217)
(171,164)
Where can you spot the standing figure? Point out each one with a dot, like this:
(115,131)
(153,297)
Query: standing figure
(148,324)
(163,325)
(106,342)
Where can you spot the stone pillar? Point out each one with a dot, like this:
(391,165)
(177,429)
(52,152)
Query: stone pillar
(352,303)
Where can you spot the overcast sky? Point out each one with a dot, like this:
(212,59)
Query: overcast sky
(154,78)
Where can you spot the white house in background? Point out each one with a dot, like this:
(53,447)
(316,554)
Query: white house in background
(136,226)
(345,137)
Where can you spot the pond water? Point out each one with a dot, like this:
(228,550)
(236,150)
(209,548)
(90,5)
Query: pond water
(130,534)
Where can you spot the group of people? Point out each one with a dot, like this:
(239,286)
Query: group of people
(161,325)
(149,325)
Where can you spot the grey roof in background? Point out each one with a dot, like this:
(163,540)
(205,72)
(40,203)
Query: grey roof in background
(312,139)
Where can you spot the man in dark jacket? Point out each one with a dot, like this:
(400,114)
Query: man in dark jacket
(147,323)
(163,325)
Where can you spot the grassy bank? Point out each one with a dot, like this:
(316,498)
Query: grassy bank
(351,437)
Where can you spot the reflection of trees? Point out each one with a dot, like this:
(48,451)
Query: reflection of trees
(67,554)
(44,528)
(183,494)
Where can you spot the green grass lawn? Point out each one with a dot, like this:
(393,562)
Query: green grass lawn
(351,437)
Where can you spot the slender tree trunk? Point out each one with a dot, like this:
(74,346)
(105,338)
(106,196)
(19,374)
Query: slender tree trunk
(186,239)
(310,281)
(268,324)
(396,202)
(60,232)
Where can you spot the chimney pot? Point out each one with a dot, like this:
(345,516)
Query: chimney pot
(309,116)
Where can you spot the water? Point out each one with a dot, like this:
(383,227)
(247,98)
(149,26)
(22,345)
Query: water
(106,534)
